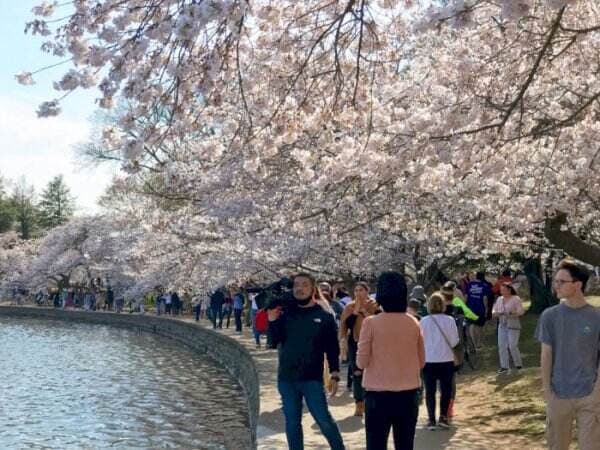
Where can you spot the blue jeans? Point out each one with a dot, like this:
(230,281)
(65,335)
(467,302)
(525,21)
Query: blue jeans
(313,393)
(254,332)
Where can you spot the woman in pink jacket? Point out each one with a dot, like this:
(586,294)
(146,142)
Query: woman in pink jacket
(391,355)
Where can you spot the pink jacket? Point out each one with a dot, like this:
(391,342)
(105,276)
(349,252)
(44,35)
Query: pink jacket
(391,352)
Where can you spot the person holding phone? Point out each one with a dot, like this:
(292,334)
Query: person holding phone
(304,332)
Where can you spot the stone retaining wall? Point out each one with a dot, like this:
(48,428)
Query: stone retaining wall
(224,350)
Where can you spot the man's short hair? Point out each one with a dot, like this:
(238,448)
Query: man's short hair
(312,279)
(577,271)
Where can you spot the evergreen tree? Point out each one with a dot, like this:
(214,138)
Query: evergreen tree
(22,202)
(56,203)
(7,213)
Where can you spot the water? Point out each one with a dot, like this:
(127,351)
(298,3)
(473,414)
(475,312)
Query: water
(79,386)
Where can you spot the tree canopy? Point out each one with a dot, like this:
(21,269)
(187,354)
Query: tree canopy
(352,134)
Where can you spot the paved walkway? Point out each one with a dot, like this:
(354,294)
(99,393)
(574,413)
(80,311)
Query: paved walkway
(271,434)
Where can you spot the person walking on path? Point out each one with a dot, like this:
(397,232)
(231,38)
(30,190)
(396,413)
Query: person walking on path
(217,299)
(238,309)
(227,310)
(418,293)
(508,309)
(304,332)
(391,354)
(197,306)
(478,293)
(441,336)
(110,298)
(570,336)
(352,319)
(456,308)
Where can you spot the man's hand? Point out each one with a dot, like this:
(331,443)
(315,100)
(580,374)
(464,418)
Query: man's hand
(274,314)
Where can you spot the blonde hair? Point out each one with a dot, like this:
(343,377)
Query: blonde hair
(436,303)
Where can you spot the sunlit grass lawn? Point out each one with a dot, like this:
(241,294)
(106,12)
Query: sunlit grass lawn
(515,399)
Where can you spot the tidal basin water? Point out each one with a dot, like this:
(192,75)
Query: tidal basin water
(79,386)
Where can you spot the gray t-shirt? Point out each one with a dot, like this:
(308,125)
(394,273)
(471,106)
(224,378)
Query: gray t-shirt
(574,335)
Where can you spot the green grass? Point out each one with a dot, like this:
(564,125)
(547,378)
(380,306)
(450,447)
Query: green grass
(515,400)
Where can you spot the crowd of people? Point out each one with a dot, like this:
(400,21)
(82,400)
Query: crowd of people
(398,347)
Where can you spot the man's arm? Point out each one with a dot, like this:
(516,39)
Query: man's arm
(276,328)
(546,363)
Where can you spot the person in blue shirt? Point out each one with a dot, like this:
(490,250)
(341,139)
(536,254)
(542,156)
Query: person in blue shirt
(478,293)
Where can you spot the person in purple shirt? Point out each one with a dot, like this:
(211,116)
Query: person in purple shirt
(478,293)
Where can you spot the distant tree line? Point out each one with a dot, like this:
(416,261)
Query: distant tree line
(21,210)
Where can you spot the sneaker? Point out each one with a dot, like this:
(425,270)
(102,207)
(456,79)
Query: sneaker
(502,371)
(519,367)
(431,425)
(444,422)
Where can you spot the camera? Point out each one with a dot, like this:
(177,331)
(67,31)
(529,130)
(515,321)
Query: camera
(275,295)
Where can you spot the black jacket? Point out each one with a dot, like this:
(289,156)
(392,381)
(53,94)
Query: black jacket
(304,335)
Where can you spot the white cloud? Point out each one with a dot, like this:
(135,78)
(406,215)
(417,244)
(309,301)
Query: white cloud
(40,149)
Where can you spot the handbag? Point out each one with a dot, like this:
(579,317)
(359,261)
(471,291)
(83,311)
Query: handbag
(457,351)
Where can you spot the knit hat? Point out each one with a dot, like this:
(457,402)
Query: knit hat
(418,292)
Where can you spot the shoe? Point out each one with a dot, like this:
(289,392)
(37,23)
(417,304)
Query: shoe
(431,425)
(444,422)
(519,367)
(502,371)
(359,410)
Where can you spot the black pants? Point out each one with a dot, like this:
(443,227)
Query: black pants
(432,373)
(358,391)
(395,410)
(216,313)
(197,311)
(237,313)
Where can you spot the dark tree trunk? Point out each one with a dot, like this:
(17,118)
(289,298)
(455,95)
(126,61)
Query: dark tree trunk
(560,236)
(541,296)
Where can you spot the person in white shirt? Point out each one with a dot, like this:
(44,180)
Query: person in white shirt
(440,336)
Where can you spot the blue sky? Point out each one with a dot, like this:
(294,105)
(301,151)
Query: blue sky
(36,148)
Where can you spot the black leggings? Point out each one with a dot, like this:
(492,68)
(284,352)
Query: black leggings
(395,410)
(432,372)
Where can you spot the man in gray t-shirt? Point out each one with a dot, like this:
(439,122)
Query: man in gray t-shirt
(570,337)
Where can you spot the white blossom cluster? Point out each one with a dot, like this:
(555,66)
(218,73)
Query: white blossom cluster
(335,138)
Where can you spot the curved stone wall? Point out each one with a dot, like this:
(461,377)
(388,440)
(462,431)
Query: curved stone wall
(224,350)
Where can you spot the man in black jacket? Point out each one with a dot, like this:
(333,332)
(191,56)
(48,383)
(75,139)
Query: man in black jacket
(304,333)
(217,299)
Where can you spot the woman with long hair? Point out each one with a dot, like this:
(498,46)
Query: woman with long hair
(351,322)
(391,355)
(508,309)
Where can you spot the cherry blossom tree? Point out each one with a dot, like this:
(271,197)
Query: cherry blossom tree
(341,135)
